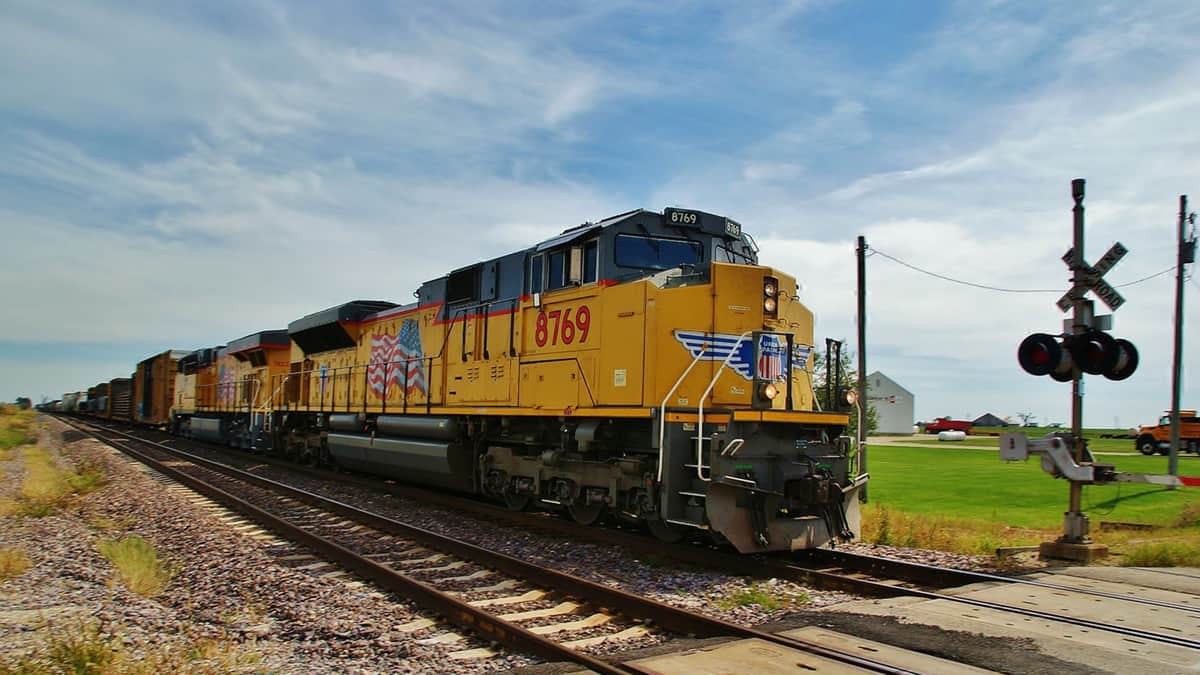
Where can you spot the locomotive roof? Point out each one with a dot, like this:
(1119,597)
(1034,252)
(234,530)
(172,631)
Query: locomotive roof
(507,278)
(322,331)
(571,234)
(265,338)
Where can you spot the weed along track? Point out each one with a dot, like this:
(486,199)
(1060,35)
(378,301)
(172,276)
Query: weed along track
(514,604)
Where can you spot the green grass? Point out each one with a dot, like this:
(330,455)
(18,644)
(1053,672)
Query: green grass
(1105,445)
(137,563)
(972,484)
(13,563)
(16,427)
(1163,554)
(763,596)
(84,649)
(47,488)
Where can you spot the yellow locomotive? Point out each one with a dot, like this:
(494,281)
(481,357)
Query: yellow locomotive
(645,366)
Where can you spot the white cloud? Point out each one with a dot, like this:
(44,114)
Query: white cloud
(194,181)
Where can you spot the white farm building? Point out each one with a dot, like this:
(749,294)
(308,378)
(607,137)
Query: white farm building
(893,404)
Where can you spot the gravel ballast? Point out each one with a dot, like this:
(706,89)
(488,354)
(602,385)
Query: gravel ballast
(268,614)
(230,601)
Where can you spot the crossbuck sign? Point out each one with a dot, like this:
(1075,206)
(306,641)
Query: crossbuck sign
(1093,279)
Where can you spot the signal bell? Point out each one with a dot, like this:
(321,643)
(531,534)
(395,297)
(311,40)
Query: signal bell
(1095,352)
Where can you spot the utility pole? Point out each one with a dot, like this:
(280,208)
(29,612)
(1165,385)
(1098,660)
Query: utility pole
(862,361)
(1187,254)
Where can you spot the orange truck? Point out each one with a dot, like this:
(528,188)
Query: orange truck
(1157,437)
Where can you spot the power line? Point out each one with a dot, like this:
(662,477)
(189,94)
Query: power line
(1156,274)
(997,288)
(964,283)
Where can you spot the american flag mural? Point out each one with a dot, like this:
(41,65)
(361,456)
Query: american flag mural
(226,385)
(395,350)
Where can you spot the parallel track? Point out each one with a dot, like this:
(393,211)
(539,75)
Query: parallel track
(203,475)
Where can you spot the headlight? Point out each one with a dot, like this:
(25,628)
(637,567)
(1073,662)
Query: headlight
(770,290)
(768,391)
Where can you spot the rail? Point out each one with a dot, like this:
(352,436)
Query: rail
(455,610)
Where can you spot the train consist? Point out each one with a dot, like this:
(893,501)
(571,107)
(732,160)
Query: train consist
(645,366)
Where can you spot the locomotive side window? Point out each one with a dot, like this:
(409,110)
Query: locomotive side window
(535,274)
(558,270)
(591,252)
(655,253)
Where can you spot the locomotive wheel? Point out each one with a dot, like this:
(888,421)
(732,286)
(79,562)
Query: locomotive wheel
(664,531)
(585,514)
(516,502)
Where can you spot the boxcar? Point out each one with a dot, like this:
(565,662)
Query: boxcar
(154,387)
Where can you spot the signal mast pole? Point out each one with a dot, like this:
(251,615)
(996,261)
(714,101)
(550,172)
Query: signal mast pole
(1075,525)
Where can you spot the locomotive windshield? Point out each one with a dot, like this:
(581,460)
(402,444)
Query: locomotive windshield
(656,253)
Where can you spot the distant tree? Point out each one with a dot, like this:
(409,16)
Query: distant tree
(1026,418)
(24,403)
(848,379)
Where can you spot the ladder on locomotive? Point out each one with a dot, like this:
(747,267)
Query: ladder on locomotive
(700,438)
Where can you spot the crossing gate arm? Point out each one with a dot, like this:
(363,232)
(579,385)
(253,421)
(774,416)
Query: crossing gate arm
(1165,480)
(1058,462)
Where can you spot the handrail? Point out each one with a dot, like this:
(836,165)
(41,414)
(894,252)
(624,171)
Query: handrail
(662,415)
(456,314)
(271,398)
(700,409)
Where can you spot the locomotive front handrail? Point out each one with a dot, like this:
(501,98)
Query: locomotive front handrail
(700,407)
(662,415)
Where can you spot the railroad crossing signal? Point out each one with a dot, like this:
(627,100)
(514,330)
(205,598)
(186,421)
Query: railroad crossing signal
(1093,279)
(1094,352)
(1083,346)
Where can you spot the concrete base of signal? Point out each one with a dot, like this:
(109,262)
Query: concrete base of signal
(1084,553)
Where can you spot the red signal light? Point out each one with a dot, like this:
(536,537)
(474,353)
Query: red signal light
(1041,354)
(1095,352)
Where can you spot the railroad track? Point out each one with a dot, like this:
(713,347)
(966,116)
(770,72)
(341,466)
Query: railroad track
(821,568)
(436,572)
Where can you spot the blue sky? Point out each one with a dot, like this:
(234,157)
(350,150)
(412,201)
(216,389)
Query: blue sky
(181,174)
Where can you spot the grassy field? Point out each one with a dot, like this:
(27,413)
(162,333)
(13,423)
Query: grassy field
(1123,446)
(971,483)
(963,498)
(15,427)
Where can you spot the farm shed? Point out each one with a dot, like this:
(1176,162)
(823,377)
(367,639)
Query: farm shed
(893,404)
(989,420)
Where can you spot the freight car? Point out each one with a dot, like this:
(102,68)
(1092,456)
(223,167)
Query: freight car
(120,398)
(646,367)
(154,388)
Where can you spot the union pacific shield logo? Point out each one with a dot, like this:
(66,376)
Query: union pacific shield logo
(771,354)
